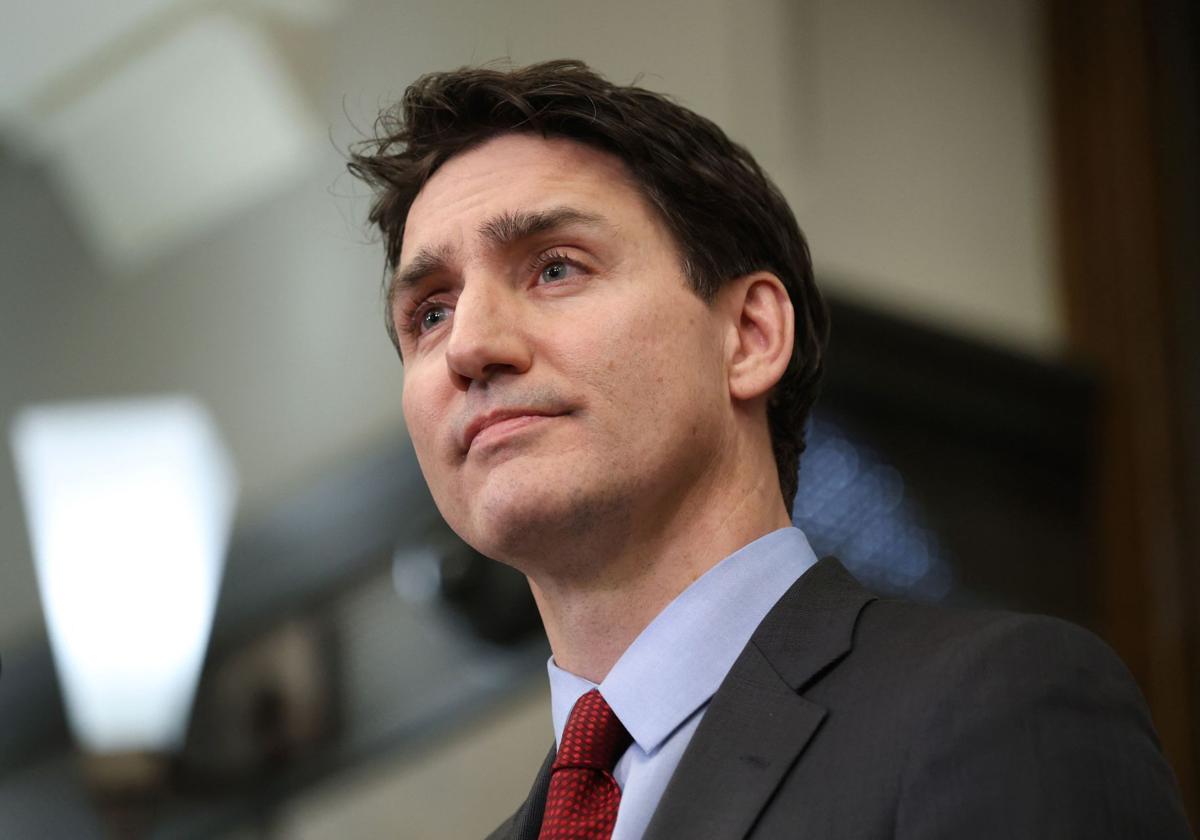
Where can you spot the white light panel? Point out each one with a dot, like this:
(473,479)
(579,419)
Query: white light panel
(202,126)
(129,506)
(45,41)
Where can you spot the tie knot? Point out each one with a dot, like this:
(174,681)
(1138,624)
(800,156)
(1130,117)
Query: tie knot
(593,736)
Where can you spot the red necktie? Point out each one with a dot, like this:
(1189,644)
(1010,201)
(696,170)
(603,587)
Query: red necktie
(583,797)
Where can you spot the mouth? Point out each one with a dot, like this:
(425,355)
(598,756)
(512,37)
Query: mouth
(497,424)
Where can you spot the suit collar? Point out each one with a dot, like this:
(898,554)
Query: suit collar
(812,626)
(758,724)
(679,660)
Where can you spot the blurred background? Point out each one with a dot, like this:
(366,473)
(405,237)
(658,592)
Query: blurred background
(1002,201)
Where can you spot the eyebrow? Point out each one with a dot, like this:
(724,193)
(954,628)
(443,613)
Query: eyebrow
(509,228)
(501,231)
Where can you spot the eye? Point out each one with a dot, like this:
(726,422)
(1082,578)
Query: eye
(555,267)
(555,271)
(415,319)
(431,316)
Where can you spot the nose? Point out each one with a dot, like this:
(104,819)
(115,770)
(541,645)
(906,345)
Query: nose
(485,337)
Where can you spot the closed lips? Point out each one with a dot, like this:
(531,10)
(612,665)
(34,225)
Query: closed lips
(486,421)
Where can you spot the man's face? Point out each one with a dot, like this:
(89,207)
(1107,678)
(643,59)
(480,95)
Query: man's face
(561,378)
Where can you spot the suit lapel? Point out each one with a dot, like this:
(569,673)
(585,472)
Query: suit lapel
(753,730)
(526,823)
(758,724)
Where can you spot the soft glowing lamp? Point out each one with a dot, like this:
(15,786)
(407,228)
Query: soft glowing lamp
(129,506)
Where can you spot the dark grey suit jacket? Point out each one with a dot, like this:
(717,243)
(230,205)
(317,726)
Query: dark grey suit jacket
(848,716)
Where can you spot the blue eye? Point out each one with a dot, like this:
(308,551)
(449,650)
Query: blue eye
(556,270)
(433,316)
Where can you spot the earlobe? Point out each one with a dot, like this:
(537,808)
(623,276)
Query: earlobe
(764,334)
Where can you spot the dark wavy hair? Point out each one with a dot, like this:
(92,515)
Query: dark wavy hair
(727,218)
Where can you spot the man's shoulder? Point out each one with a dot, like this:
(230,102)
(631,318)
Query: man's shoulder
(953,636)
(971,719)
(922,639)
(1008,652)
(829,632)
(939,630)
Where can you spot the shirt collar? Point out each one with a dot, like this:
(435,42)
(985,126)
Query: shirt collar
(680,659)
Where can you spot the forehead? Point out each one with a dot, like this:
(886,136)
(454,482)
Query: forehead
(519,172)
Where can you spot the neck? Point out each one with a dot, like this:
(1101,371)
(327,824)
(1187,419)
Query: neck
(592,616)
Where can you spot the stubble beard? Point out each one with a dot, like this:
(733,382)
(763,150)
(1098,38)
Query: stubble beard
(564,535)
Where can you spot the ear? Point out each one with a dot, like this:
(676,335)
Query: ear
(762,335)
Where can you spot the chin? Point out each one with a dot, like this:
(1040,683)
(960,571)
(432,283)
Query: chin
(531,523)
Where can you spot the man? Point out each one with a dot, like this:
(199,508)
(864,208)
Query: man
(611,340)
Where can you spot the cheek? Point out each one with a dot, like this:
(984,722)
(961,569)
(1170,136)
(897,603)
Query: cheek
(656,361)
(421,417)
(672,342)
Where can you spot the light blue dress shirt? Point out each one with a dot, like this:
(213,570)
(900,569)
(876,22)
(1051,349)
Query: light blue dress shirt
(661,685)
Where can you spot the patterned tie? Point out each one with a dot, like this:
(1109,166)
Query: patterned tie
(583,797)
